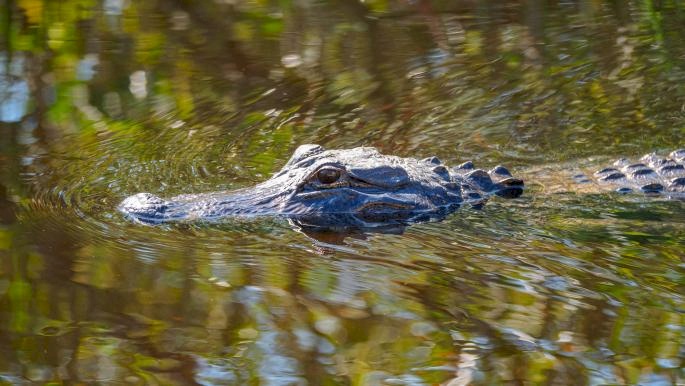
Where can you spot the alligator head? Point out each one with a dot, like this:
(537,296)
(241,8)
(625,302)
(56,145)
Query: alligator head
(354,187)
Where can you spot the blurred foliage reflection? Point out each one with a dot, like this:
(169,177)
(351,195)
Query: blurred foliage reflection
(103,98)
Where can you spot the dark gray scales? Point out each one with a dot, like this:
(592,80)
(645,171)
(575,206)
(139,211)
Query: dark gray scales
(652,174)
(357,187)
(497,180)
(362,187)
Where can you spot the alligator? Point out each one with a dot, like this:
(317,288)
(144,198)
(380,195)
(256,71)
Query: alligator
(357,187)
(363,188)
(652,175)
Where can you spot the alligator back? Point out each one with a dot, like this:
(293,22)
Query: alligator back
(652,174)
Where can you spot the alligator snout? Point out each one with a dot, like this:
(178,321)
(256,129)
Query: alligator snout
(145,208)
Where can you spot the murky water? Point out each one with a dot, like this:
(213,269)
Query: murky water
(102,99)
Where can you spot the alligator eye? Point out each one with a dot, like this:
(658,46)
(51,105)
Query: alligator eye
(328,176)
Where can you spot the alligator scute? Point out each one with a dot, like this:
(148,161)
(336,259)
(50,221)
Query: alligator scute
(652,174)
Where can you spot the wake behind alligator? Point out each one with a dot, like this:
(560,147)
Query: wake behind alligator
(362,188)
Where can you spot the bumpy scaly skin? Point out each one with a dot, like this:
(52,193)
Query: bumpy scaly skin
(353,187)
(652,174)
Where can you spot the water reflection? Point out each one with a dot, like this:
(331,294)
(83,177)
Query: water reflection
(14,94)
(100,100)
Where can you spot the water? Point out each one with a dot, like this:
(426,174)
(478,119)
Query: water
(102,99)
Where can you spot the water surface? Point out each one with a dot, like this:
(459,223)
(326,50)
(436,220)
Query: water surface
(103,99)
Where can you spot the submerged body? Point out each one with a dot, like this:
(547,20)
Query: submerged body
(652,174)
(353,187)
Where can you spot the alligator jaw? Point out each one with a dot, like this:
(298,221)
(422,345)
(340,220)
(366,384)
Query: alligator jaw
(379,211)
(148,209)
